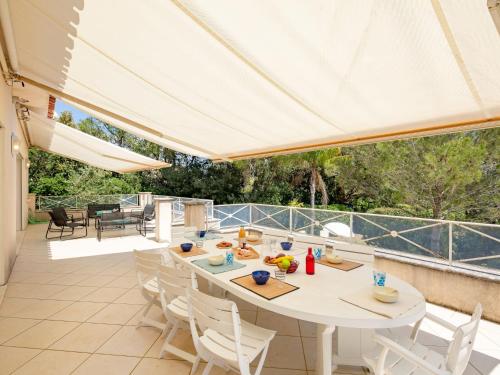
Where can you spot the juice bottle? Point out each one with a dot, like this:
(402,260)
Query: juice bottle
(241,236)
(310,262)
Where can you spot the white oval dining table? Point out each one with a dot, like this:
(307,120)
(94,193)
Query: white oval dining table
(316,300)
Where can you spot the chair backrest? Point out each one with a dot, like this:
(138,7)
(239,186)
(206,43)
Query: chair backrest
(173,283)
(59,216)
(146,265)
(149,211)
(93,208)
(460,348)
(219,315)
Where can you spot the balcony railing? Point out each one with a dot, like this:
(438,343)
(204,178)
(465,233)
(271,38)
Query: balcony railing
(454,243)
(45,203)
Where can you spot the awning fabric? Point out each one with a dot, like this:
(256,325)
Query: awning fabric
(231,79)
(63,140)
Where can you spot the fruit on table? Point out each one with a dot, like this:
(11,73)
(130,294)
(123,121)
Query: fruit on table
(285,264)
(293,267)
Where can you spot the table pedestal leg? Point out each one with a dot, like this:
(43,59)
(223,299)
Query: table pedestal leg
(324,335)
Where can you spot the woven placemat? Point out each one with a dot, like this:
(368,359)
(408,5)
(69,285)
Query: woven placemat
(271,290)
(203,263)
(194,251)
(346,265)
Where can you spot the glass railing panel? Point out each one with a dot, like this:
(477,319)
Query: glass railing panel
(274,217)
(324,223)
(232,215)
(476,245)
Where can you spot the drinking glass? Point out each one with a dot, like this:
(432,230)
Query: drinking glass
(280,274)
(378,278)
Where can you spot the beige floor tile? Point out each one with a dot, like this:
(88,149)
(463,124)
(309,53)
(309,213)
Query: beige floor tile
(151,366)
(51,362)
(42,335)
(33,290)
(249,316)
(155,313)
(13,358)
(104,295)
(307,329)
(11,327)
(78,311)
(19,276)
(42,309)
(123,282)
(286,352)
(130,341)
(116,270)
(282,324)
(101,364)
(115,314)
(74,293)
(182,340)
(97,280)
(10,306)
(42,278)
(133,296)
(86,338)
(278,371)
(309,345)
(70,279)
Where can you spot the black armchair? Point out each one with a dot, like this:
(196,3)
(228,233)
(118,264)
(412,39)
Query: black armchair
(147,219)
(65,223)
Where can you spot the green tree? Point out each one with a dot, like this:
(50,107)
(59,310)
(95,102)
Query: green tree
(314,164)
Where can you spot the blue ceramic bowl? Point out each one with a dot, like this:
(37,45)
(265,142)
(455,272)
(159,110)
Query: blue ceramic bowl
(286,245)
(261,277)
(186,246)
(201,233)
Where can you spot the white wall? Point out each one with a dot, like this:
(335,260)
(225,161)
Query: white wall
(8,193)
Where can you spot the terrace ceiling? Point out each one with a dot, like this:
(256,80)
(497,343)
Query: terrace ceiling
(230,79)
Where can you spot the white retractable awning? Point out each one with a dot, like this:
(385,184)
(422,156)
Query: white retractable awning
(52,136)
(231,79)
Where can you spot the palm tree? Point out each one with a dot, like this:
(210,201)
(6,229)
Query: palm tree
(314,164)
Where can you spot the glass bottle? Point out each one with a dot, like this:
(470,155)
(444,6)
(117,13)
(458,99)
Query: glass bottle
(241,236)
(310,262)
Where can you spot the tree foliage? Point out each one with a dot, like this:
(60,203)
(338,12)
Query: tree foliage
(452,176)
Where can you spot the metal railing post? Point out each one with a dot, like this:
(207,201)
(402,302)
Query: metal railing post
(351,224)
(250,216)
(450,243)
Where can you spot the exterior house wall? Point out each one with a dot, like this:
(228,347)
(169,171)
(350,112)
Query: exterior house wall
(8,182)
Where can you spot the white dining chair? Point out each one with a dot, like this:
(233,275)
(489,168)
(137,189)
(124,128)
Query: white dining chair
(173,284)
(404,355)
(225,341)
(146,265)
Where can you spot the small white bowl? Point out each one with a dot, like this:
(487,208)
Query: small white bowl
(335,259)
(216,260)
(385,294)
(252,238)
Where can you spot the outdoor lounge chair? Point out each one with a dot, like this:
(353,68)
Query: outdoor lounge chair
(147,220)
(66,223)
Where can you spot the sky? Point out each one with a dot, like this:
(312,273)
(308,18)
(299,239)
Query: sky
(77,114)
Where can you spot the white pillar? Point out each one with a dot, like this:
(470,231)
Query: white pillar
(195,215)
(163,218)
(145,197)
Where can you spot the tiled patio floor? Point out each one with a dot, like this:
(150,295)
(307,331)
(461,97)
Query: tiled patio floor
(72,306)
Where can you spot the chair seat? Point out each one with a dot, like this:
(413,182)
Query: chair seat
(151,286)
(75,224)
(253,341)
(179,308)
(395,365)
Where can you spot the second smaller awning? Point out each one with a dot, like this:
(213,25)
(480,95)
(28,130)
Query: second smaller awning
(52,136)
